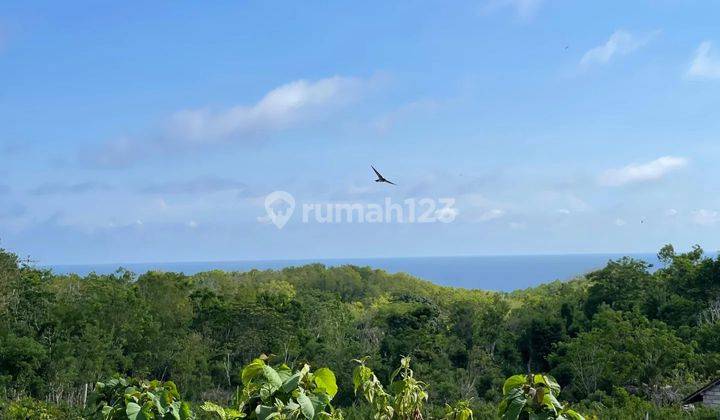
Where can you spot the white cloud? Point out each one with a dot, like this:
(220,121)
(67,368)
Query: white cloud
(620,222)
(446,214)
(671,212)
(620,43)
(704,65)
(641,172)
(705,217)
(192,224)
(491,214)
(280,108)
(525,9)
(563,211)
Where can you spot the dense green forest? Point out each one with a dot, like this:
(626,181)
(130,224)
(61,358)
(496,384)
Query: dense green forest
(621,341)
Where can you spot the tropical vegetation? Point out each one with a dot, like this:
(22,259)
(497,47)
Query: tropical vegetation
(621,342)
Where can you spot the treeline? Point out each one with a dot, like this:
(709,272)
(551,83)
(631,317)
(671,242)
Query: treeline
(621,342)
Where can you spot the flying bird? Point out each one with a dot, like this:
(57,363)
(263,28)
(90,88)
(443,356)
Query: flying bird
(380,177)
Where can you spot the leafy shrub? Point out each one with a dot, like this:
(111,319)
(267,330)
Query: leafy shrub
(135,399)
(533,396)
(460,411)
(28,408)
(406,398)
(279,393)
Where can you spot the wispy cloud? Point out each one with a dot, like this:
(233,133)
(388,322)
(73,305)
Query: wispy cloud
(281,108)
(446,213)
(202,185)
(524,9)
(641,172)
(705,217)
(620,43)
(52,188)
(491,215)
(704,65)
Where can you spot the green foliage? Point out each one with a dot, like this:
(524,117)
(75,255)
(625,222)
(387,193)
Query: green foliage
(279,393)
(654,335)
(223,413)
(405,398)
(534,396)
(134,399)
(31,409)
(460,411)
(619,285)
(621,350)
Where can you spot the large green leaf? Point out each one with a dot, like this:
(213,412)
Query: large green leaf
(174,410)
(284,371)
(325,380)
(320,401)
(292,382)
(263,412)
(549,381)
(252,370)
(306,406)
(551,402)
(132,410)
(516,401)
(513,382)
(272,377)
(266,392)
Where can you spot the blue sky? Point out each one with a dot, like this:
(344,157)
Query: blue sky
(152,131)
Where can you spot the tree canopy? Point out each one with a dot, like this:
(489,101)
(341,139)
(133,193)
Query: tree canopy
(620,335)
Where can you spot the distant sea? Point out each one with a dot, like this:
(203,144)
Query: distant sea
(501,273)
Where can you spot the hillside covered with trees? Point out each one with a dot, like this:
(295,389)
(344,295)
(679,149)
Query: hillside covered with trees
(621,341)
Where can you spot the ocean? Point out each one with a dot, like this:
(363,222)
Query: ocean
(500,273)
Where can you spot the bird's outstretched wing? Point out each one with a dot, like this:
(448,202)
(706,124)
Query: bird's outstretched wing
(376,172)
(390,182)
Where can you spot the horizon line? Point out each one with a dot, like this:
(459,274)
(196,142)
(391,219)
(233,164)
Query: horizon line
(320,260)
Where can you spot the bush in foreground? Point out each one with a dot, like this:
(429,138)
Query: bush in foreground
(119,399)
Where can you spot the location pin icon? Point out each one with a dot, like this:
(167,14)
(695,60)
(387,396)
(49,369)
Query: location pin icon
(279,206)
